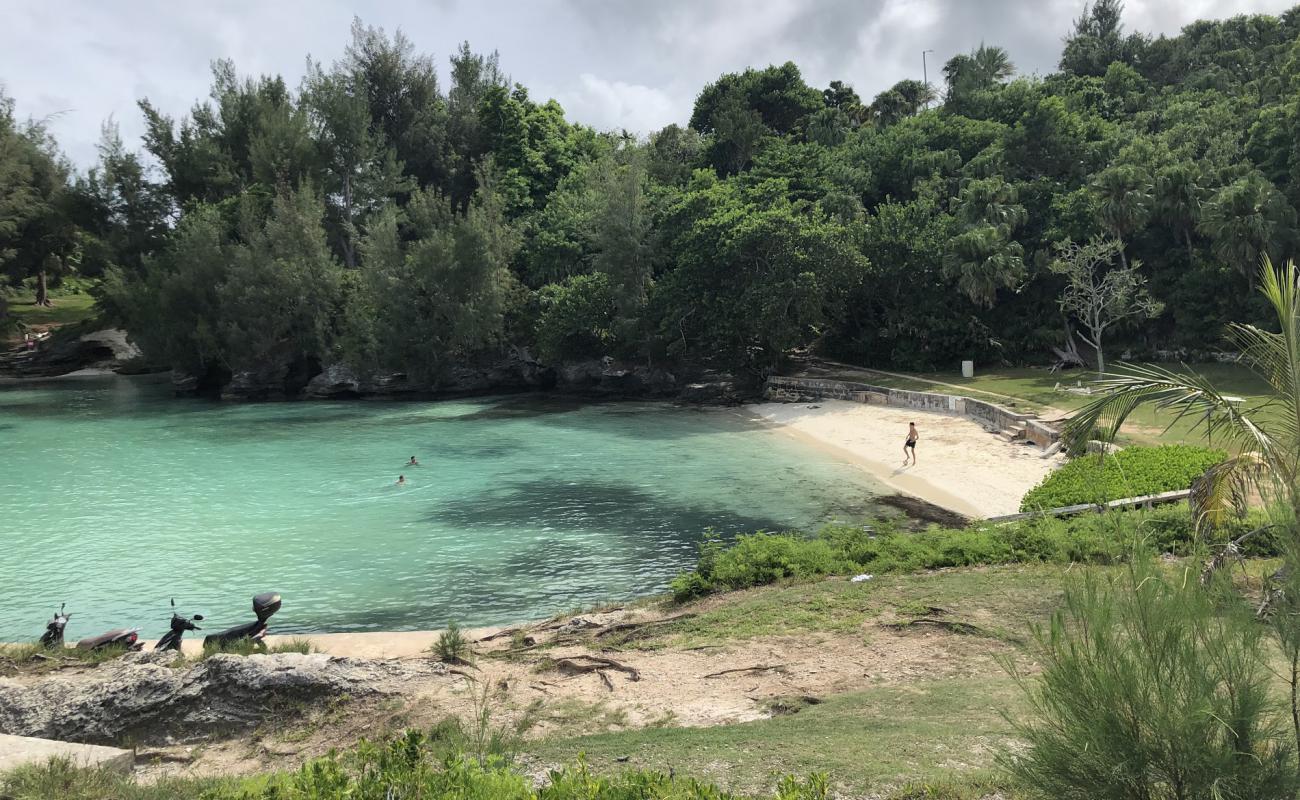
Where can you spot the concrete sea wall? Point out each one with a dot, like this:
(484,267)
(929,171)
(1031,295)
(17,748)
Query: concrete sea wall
(1016,424)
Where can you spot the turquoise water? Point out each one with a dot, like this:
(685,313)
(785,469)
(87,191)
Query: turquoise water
(115,497)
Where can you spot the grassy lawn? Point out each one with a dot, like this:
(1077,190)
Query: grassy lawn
(1005,599)
(939,734)
(888,736)
(1036,390)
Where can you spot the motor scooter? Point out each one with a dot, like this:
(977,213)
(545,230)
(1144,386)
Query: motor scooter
(53,636)
(172,639)
(126,638)
(264,605)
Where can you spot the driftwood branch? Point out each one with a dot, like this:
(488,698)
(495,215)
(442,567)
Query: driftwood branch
(756,668)
(581,665)
(952,626)
(639,626)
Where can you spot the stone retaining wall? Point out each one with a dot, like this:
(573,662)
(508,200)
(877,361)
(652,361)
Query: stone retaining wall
(989,415)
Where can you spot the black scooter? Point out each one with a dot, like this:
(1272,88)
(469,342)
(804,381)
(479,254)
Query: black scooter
(53,636)
(126,638)
(264,605)
(172,639)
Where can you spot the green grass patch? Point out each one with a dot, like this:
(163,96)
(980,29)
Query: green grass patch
(1132,472)
(879,739)
(247,647)
(67,310)
(1006,598)
(407,766)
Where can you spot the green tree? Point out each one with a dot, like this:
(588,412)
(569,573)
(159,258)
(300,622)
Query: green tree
(1123,202)
(1152,687)
(1178,198)
(755,274)
(439,278)
(1099,295)
(1265,440)
(1246,220)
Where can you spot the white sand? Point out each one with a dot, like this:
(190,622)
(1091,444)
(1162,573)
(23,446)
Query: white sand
(960,466)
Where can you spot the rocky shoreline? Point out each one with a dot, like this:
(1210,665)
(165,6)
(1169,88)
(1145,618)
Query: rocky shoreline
(512,371)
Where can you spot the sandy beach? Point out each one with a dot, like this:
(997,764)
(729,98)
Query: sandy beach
(960,466)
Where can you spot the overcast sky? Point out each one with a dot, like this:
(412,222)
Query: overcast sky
(634,64)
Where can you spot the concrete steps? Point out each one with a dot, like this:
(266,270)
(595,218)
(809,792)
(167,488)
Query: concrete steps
(1014,433)
(17,751)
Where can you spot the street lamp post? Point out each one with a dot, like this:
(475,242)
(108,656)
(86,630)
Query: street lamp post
(925,74)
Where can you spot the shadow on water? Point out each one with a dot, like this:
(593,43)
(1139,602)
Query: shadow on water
(616,508)
(522,407)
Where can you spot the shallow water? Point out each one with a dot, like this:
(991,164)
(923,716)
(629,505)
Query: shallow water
(116,497)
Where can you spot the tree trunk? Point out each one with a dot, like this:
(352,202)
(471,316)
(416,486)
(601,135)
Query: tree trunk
(349,230)
(1191,254)
(42,290)
(1295,697)
(1123,259)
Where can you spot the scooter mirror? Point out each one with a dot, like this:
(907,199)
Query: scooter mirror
(173,602)
(198,617)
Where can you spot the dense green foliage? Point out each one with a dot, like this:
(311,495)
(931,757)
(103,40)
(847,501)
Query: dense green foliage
(375,218)
(1132,472)
(761,558)
(412,765)
(1153,687)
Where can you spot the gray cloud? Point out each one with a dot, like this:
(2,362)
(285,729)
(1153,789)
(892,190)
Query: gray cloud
(611,63)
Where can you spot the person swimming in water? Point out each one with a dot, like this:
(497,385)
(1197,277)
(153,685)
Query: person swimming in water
(401,480)
(413,462)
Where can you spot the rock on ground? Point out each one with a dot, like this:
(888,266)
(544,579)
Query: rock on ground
(142,698)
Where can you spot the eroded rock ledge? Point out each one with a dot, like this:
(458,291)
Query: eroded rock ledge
(143,699)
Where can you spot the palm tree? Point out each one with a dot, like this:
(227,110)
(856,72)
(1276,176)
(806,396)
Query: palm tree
(1178,200)
(992,64)
(982,68)
(1266,448)
(1123,202)
(990,200)
(1247,219)
(983,260)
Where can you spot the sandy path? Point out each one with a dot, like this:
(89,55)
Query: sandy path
(960,466)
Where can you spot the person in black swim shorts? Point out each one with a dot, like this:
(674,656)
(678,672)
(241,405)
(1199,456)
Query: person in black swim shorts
(909,448)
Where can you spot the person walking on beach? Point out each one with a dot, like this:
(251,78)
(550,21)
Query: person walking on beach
(909,448)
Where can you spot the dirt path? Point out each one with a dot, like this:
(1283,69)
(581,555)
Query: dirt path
(577,679)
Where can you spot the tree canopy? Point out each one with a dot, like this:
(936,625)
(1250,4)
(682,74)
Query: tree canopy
(373,216)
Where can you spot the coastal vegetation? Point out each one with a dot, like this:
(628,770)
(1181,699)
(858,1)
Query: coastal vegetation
(763,558)
(1132,472)
(373,218)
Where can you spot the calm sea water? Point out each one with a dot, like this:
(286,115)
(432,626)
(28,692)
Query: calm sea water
(115,497)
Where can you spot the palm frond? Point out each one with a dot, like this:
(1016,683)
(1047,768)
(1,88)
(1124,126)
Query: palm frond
(1187,393)
(1225,490)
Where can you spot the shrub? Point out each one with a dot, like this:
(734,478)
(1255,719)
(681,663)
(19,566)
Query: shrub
(408,766)
(577,318)
(452,647)
(1131,472)
(758,559)
(1152,688)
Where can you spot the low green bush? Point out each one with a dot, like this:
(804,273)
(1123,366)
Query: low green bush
(1150,687)
(1131,472)
(408,766)
(452,647)
(762,558)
